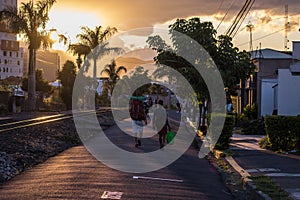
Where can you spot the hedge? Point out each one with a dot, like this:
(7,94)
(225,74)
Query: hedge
(225,137)
(283,132)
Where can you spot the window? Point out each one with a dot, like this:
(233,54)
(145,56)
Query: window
(17,54)
(4,53)
(10,53)
(5,62)
(10,70)
(18,62)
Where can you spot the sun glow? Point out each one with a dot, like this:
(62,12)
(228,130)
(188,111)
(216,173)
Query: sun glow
(68,23)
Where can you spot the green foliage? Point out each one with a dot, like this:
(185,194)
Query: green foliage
(41,84)
(269,187)
(283,132)
(67,76)
(233,64)
(254,127)
(3,109)
(251,111)
(264,143)
(225,137)
(113,72)
(95,43)
(30,20)
(103,99)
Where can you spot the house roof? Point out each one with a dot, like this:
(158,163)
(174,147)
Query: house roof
(270,54)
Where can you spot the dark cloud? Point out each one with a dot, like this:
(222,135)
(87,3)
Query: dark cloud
(144,13)
(265,19)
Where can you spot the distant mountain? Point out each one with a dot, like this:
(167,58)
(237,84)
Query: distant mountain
(130,63)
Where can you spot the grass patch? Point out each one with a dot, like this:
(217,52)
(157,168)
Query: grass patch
(269,187)
(223,165)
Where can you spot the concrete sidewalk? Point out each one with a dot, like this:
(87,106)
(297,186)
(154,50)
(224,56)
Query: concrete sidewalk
(284,169)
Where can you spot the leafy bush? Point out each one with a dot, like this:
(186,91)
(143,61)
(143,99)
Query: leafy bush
(3,108)
(264,143)
(283,132)
(255,127)
(225,137)
(251,112)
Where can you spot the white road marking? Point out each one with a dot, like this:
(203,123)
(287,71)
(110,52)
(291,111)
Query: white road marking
(283,175)
(158,179)
(262,170)
(295,193)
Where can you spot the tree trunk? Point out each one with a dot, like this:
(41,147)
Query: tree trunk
(31,79)
(95,67)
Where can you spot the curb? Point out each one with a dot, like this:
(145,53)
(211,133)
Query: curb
(250,190)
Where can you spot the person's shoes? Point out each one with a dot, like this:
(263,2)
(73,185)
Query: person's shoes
(139,143)
(136,145)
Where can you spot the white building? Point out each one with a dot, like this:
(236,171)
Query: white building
(11,55)
(287,95)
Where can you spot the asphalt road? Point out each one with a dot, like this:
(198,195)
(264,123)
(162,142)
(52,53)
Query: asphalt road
(282,168)
(76,174)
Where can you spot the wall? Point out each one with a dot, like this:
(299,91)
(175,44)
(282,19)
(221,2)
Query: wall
(288,93)
(267,70)
(267,96)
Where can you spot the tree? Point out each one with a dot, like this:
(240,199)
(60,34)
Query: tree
(232,64)
(93,42)
(79,50)
(67,76)
(30,21)
(113,73)
(41,84)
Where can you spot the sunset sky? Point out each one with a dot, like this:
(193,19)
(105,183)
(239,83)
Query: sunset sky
(267,16)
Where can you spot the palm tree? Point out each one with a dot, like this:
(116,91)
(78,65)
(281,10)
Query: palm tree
(30,21)
(93,42)
(113,73)
(79,50)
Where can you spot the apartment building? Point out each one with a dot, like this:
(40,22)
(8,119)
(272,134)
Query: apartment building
(11,55)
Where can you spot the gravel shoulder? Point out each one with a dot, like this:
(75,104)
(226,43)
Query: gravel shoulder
(24,148)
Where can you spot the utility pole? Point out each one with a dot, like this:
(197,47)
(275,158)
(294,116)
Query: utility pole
(286,28)
(250,27)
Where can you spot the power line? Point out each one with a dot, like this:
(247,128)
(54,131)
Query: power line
(232,30)
(220,6)
(229,8)
(262,37)
(243,18)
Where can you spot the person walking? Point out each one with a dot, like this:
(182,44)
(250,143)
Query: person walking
(161,122)
(138,116)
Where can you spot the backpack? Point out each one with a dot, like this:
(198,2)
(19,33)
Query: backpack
(229,108)
(136,109)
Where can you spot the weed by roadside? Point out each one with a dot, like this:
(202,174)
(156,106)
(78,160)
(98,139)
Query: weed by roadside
(269,187)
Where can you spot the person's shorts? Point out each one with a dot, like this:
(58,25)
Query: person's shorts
(137,126)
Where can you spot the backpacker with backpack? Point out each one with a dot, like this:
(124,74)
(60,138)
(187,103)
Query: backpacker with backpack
(136,109)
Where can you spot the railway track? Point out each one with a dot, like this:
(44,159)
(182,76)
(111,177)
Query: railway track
(13,125)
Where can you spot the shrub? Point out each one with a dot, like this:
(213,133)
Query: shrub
(225,137)
(255,127)
(283,132)
(3,108)
(251,112)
